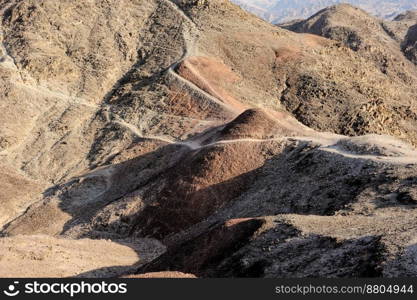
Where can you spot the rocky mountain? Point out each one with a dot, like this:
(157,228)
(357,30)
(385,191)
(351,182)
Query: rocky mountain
(278,11)
(190,138)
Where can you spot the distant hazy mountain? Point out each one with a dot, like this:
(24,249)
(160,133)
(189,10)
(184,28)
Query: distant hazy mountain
(285,10)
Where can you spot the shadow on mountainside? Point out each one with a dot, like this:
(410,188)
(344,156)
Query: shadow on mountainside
(242,248)
(169,198)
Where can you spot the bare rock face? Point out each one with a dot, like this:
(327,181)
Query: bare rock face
(382,43)
(410,44)
(206,141)
(280,251)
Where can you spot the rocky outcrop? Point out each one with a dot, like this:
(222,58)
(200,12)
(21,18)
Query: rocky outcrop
(206,140)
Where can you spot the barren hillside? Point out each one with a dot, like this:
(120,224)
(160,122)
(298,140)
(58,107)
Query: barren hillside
(204,140)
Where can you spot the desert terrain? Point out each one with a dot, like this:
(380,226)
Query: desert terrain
(189,138)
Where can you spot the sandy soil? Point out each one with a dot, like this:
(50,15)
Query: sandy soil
(45,256)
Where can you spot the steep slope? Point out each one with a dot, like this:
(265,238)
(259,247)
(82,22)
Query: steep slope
(370,39)
(400,25)
(405,30)
(410,44)
(373,38)
(193,123)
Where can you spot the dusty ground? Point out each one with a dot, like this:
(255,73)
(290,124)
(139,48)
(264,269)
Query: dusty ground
(200,127)
(45,256)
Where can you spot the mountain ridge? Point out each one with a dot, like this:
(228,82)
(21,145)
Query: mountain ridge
(195,125)
(284,11)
